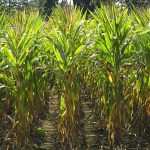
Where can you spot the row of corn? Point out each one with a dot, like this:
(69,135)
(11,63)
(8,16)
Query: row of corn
(109,52)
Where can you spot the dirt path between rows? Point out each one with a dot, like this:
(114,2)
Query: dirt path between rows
(46,136)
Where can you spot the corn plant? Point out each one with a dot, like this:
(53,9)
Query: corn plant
(113,46)
(19,53)
(66,46)
(142,46)
(2,65)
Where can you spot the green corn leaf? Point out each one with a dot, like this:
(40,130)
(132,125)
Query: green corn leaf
(79,50)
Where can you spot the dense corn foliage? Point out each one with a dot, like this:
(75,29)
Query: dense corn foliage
(109,54)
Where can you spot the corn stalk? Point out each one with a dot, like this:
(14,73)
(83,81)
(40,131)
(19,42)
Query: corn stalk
(65,42)
(113,46)
(142,87)
(18,53)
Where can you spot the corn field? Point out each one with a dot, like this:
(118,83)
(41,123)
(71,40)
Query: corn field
(105,58)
